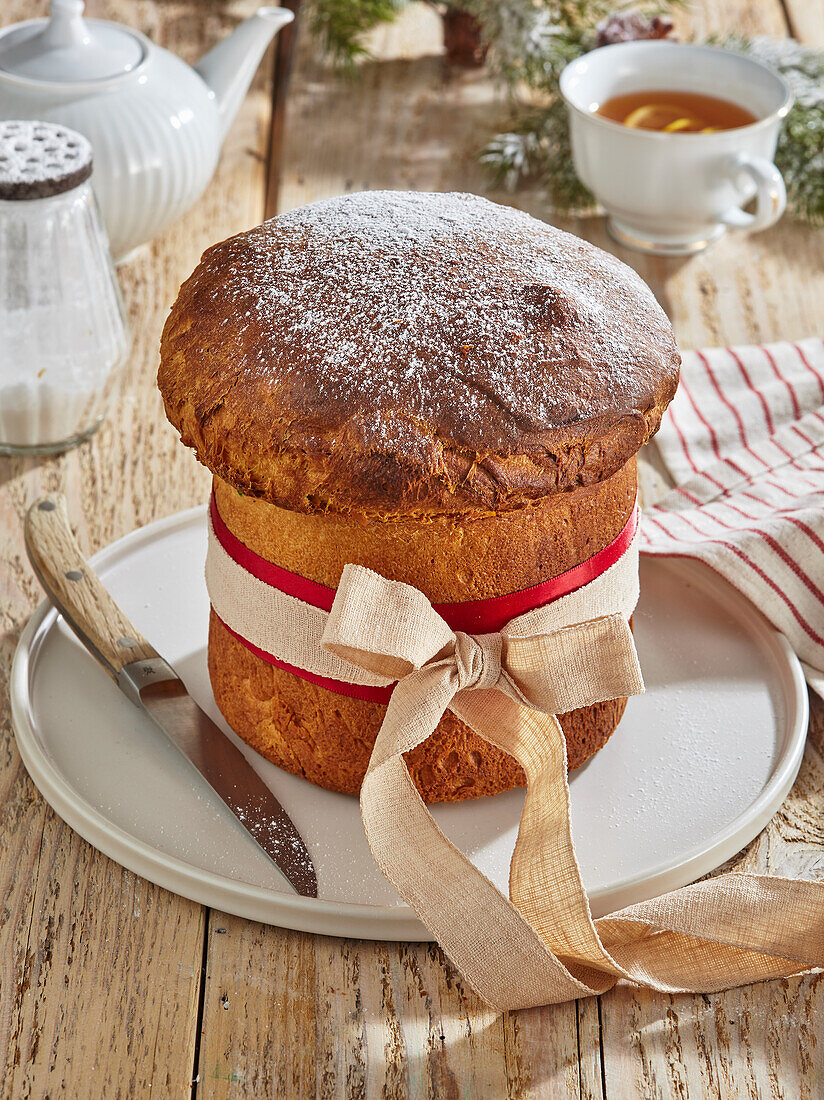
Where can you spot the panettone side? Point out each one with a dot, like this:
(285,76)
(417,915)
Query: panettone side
(328,737)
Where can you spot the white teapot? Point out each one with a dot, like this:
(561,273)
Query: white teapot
(155,124)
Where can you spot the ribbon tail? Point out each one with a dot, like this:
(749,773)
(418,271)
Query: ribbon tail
(726,931)
(481,931)
(544,877)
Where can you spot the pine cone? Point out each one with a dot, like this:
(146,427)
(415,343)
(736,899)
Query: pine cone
(631,26)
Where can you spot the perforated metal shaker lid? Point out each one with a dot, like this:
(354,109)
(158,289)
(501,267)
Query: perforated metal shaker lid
(39,159)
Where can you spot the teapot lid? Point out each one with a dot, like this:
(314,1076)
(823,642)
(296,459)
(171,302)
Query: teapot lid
(68,49)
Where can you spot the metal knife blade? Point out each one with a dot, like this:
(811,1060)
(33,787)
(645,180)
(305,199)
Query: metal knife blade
(153,685)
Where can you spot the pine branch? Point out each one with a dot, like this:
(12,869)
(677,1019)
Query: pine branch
(530,41)
(340,24)
(538,150)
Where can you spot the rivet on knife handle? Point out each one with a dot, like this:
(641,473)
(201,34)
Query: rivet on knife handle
(76,590)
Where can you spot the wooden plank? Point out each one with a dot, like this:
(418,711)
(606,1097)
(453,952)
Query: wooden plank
(99,970)
(703,18)
(287,1014)
(806,21)
(284,56)
(259,1033)
(553,1052)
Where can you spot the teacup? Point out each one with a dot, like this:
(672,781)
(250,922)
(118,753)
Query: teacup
(675,193)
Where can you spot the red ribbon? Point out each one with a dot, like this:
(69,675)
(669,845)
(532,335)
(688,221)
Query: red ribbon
(471,616)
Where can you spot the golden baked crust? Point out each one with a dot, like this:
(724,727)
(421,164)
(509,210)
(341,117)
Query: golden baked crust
(449,559)
(327,737)
(399,353)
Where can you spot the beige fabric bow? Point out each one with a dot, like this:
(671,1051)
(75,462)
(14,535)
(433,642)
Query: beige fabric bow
(542,946)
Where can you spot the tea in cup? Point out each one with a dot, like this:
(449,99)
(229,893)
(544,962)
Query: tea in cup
(674,140)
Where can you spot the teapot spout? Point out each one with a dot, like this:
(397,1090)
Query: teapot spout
(228,68)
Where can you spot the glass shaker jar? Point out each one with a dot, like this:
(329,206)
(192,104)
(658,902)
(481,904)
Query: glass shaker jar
(63,331)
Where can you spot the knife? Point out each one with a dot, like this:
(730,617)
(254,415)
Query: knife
(151,684)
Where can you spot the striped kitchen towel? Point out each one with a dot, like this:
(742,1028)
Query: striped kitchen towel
(744,443)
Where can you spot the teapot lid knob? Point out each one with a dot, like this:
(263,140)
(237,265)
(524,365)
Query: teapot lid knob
(68,49)
(66,25)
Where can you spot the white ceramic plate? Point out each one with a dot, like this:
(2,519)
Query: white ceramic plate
(697,767)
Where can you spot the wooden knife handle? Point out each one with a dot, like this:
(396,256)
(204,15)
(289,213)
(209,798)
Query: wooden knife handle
(76,590)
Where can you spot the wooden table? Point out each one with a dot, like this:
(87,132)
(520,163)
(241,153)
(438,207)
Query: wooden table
(111,987)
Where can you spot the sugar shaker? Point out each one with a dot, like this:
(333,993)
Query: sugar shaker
(63,330)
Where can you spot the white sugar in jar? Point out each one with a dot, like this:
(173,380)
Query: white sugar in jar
(63,332)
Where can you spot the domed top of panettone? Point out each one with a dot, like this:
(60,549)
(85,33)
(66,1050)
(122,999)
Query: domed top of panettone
(403,352)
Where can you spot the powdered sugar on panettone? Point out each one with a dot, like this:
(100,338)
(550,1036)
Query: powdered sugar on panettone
(397,322)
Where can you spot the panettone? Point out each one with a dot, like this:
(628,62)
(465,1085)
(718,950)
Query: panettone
(439,388)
